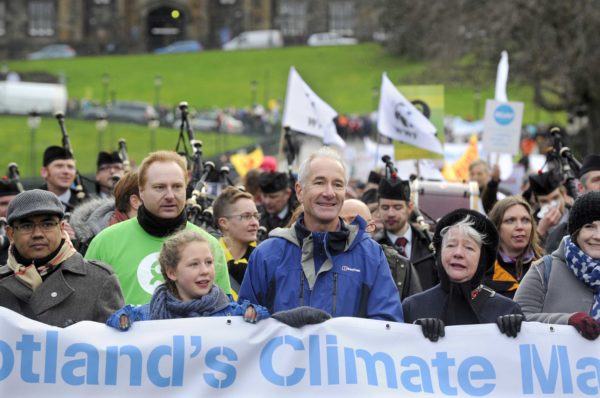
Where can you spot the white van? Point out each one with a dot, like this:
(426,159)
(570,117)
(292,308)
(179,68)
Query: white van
(255,39)
(22,98)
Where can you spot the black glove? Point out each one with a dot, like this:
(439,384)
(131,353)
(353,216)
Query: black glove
(433,328)
(510,324)
(301,316)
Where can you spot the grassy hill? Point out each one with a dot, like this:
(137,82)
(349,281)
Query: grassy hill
(346,77)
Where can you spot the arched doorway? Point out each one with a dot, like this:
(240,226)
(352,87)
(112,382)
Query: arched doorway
(164,26)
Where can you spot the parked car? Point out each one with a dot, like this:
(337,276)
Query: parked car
(121,111)
(255,39)
(182,46)
(53,51)
(330,39)
(213,121)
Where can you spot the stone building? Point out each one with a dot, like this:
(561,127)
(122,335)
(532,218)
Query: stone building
(131,26)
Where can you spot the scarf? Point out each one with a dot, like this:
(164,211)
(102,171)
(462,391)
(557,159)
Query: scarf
(586,269)
(117,217)
(164,305)
(32,275)
(158,226)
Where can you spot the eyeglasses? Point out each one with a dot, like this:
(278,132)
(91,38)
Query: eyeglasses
(28,227)
(245,216)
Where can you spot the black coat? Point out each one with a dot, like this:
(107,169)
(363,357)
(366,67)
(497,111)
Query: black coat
(430,304)
(421,256)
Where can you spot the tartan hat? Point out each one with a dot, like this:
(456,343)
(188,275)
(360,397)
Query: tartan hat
(55,152)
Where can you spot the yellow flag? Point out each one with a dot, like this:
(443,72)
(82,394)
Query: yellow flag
(244,162)
(459,170)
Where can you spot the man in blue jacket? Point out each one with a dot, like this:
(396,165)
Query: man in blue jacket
(321,261)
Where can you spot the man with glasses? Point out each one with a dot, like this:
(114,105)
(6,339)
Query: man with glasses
(109,169)
(45,278)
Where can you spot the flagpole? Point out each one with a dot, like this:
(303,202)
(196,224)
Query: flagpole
(376,108)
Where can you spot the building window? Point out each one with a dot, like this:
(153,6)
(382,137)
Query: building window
(2,18)
(41,18)
(341,17)
(293,18)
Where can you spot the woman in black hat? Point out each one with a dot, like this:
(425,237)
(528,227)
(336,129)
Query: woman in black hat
(466,243)
(564,288)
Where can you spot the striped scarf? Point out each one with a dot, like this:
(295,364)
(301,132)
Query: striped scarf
(31,275)
(587,270)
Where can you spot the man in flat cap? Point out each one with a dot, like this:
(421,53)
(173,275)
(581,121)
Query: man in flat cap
(109,169)
(277,203)
(395,207)
(59,174)
(552,198)
(8,191)
(589,176)
(45,278)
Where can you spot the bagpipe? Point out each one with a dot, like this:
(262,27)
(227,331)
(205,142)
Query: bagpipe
(563,162)
(202,189)
(14,176)
(80,192)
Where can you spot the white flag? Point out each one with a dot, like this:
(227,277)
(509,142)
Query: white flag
(307,113)
(502,78)
(398,119)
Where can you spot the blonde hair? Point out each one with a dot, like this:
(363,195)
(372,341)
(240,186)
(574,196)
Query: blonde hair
(170,254)
(160,156)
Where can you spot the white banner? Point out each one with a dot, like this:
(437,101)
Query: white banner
(502,126)
(398,119)
(306,112)
(345,357)
(502,78)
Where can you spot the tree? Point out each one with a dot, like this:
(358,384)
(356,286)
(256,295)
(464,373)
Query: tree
(551,45)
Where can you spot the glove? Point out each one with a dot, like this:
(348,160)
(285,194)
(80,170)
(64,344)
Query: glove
(122,319)
(301,316)
(433,328)
(587,326)
(510,324)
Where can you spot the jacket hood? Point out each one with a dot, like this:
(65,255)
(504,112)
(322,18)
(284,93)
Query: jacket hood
(91,217)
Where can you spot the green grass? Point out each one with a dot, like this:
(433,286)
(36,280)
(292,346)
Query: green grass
(343,76)
(84,137)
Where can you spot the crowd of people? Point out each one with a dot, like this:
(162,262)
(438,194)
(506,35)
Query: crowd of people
(299,248)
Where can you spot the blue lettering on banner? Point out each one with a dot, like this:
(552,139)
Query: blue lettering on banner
(504,114)
(313,361)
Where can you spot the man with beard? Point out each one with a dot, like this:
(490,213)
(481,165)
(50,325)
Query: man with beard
(132,247)
(395,206)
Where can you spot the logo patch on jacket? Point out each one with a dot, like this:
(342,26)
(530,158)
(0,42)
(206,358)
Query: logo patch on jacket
(346,268)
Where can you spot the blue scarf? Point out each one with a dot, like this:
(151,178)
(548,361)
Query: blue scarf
(166,306)
(587,270)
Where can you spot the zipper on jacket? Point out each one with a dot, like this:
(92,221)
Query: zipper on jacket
(334,293)
(301,289)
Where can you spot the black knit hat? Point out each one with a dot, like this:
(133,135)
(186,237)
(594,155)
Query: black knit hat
(107,158)
(483,225)
(585,210)
(273,182)
(396,189)
(590,163)
(369,196)
(544,183)
(8,187)
(54,152)
(33,202)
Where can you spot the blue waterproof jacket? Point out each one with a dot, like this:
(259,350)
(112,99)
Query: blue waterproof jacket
(354,282)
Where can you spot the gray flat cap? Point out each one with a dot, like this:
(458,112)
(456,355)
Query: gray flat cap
(34,202)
